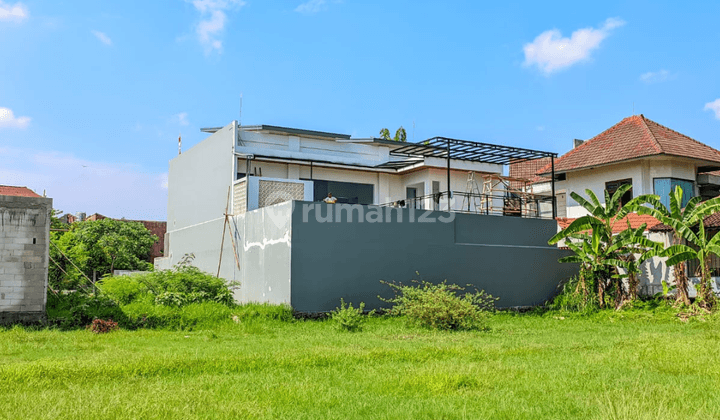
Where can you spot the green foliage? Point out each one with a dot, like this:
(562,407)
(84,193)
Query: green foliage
(98,245)
(574,296)
(600,253)
(184,284)
(183,297)
(77,309)
(441,306)
(265,311)
(687,225)
(400,135)
(348,318)
(144,313)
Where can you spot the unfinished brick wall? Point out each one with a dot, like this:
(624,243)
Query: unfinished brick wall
(24,241)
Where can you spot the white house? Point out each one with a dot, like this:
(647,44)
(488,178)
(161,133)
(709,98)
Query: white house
(650,157)
(248,203)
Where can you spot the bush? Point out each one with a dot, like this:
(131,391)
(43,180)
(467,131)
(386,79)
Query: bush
(441,306)
(348,318)
(183,285)
(74,309)
(577,295)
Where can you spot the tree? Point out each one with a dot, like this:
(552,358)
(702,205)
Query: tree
(598,251)
(400,135)
(682,221)
(101,246)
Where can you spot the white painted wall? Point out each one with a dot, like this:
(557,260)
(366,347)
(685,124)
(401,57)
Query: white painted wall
(642,172)
(198,181)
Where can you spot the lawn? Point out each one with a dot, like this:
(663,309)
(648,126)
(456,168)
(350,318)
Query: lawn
(612,365)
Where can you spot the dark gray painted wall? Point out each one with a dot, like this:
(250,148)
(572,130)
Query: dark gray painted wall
(508,257)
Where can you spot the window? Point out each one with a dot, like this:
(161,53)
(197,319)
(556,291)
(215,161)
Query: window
(345,192)
(664,186)
(613,186)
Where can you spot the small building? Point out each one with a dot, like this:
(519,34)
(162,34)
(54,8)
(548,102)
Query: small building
(24,242)
(249,202)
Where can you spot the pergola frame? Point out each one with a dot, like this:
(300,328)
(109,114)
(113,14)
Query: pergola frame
(472,151)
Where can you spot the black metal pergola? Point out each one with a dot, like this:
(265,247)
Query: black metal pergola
(472,151)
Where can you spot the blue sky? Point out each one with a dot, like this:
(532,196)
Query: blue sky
(94,94)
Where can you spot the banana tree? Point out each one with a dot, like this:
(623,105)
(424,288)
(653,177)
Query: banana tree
(629,251)
(680,253)
(682,221)
(597,250)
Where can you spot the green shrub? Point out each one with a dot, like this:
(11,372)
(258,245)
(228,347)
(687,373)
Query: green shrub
(183,285)
(576,295)
(441,306)
(74,309)
(123,289)
(348,318)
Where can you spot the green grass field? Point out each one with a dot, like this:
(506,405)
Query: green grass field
(612,365)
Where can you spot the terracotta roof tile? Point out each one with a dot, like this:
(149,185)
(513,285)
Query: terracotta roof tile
(633,137)
(636,220)
(712,221)
(17,191)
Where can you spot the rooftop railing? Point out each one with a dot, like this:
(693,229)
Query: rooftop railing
(509,204)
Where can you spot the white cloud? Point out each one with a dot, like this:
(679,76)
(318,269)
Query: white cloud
(551,52)
(16,11)
(213,21)
(310,7)
(9,120)
(182,118)
(77,184)
(655,76)
(714,106)
(102,37)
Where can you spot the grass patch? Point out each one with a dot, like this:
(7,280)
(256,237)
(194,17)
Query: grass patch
(630,364)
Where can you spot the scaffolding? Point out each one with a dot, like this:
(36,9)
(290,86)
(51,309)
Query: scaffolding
(508,196)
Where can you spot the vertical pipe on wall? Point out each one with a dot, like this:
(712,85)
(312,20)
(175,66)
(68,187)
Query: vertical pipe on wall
(448,174)
(552,183)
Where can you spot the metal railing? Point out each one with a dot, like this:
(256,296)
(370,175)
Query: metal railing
(525,205)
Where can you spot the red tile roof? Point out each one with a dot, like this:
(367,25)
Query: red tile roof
(712,221)
(636,220)
(17,191)
(529,169)
(632,138)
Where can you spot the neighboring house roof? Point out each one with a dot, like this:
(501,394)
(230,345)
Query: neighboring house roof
(17,191)
(633,137)
(529,170)
(636,220)
(712,222)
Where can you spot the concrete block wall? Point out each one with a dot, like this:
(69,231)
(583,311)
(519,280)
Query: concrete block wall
(24,246)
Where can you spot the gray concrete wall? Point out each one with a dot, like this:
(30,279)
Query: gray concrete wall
(24,241)
(507,257)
